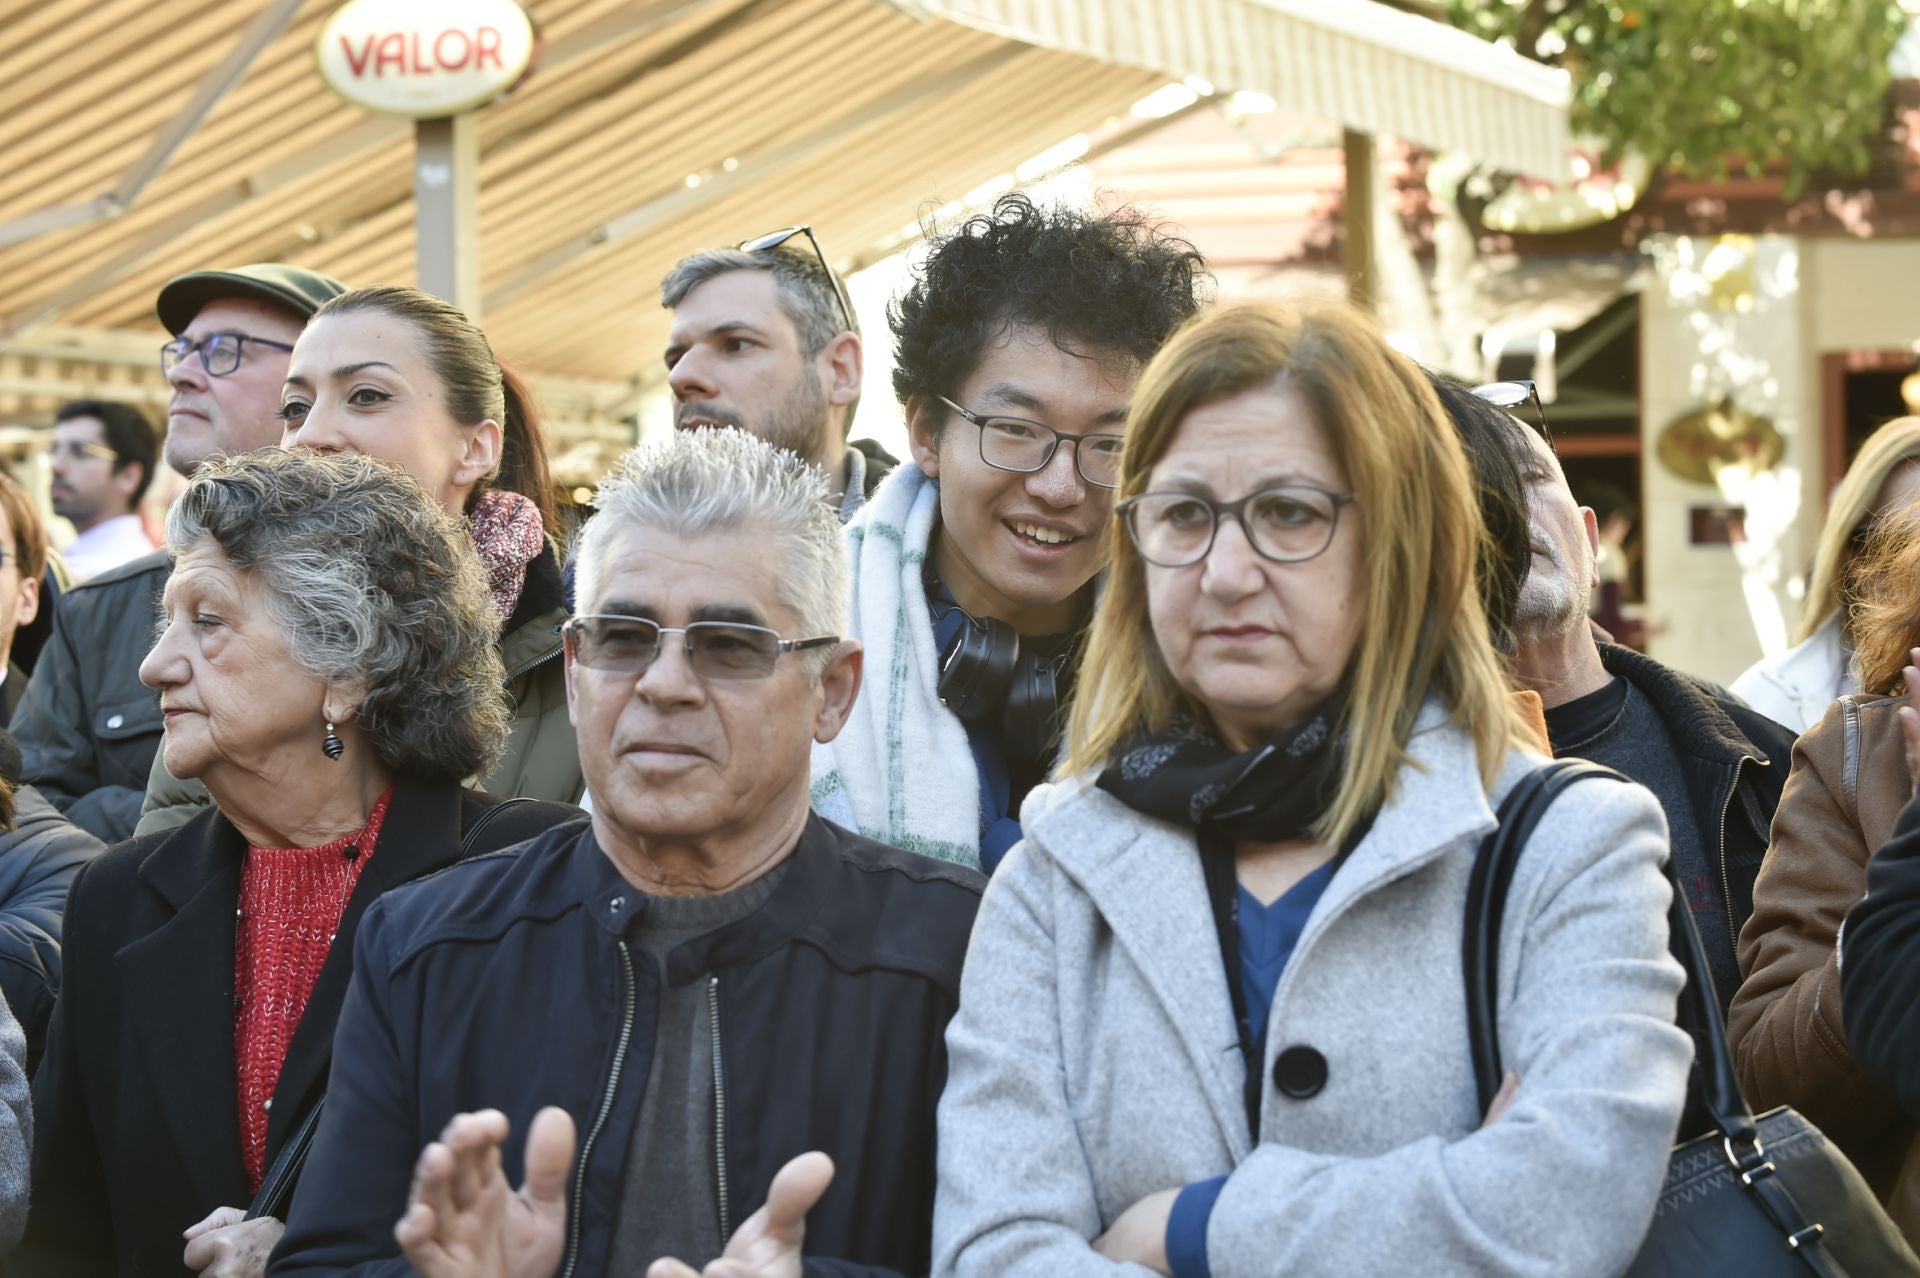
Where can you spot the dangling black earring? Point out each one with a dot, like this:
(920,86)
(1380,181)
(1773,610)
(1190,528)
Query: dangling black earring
(333,745)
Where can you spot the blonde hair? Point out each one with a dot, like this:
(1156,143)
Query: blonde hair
(1895,443)
(1886,616)
(1424,631)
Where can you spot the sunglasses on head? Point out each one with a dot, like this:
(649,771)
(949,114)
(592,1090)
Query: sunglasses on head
(774,239)
(1510,395)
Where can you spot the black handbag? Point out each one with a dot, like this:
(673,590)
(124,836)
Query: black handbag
(1756,1198)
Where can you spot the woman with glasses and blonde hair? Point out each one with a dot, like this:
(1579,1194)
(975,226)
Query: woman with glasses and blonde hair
(1795,687)
(1212,1018)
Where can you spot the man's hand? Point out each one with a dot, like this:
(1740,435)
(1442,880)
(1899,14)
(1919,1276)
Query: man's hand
(1910,717)
(228,1245)
(463,1219)
(1140,1235)
(768,1244)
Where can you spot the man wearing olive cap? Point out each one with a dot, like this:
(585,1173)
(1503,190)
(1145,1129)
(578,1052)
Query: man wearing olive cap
(87,727)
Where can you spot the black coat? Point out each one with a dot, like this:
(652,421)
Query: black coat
(1880,966)
(1735,761)
(509,983)
(136,1124)
(39,859)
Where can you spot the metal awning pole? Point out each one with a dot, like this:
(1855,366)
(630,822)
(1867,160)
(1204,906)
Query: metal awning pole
(446,199)
(1363,275)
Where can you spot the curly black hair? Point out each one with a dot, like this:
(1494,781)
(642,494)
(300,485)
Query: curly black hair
(1109,280)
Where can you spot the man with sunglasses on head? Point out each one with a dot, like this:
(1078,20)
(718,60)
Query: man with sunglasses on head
(764,340)
(708,1023)
(88,728)
(1016,350)
(1716,766)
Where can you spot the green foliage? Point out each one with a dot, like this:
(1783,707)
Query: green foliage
(1705,86)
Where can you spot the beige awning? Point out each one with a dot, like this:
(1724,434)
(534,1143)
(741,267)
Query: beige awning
(652,128)
(1354,62)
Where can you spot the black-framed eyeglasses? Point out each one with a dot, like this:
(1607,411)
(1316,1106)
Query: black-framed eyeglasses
(1287,523)
(219,354)
(1016,444)
(715,649)
(1511,395)
(774,239)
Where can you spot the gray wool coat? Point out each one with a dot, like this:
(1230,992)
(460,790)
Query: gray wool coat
(1094,1059)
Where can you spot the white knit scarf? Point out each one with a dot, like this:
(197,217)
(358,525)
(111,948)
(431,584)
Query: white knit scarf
(901,771)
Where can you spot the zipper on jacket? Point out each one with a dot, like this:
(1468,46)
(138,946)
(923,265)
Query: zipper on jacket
(1726,880)
(719,1113)
(535,662)
(600,1119)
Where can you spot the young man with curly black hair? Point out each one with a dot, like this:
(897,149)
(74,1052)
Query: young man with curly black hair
(1016,350)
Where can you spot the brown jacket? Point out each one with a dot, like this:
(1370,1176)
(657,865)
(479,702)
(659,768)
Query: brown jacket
(1848,784)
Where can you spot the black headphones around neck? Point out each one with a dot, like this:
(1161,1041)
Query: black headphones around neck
(986,673)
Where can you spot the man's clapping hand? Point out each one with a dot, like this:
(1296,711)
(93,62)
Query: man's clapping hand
(463,1219)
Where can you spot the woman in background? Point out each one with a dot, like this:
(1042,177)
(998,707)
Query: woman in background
(400,375)
(1848,785)
(1795,687)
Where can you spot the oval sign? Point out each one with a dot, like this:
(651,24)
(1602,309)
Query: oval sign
(425,58)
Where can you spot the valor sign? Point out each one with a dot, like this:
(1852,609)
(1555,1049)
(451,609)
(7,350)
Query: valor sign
(425,58)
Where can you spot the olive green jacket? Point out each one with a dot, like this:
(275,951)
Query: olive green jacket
(542,760)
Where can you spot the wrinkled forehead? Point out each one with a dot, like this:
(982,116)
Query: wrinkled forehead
(672,577)
(244,315)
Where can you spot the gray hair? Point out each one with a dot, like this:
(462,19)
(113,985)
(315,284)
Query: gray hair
(806,290)
(712,481)
(369,581)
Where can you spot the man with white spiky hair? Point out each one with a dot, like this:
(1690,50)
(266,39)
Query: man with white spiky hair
(708,1022)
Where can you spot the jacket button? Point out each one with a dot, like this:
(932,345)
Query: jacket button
(115,721)
(1300,1073)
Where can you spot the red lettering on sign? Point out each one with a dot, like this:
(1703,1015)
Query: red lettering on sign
(393,49)
(487,47)
(357,65)
(440,56)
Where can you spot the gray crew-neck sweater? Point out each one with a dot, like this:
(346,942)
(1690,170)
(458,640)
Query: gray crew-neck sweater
(669,1196)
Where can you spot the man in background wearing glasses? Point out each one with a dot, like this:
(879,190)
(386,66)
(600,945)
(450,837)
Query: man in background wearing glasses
(102,459)
(88,728)
(703,990)
(1015,352)
(765,340)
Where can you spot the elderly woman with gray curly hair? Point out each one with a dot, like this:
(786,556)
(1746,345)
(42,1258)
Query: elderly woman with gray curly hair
(326,665)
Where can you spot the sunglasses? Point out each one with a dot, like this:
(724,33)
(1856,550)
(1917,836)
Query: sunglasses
(774,239)
(1510,395)
(714,649)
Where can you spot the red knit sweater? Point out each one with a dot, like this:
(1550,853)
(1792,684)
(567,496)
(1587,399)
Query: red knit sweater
(291,900)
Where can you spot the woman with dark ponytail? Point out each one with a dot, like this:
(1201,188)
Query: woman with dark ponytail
(403,376)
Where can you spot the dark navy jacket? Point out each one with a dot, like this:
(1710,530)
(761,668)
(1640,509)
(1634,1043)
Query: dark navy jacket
(507,982)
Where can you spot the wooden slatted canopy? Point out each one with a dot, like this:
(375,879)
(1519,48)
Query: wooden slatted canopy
(652,128)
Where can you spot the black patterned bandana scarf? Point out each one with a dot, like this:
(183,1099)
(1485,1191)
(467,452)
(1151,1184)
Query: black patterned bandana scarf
(1272,792)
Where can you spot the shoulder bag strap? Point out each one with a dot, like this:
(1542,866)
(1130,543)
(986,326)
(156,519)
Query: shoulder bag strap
(1493,870)
(485,819)
(276,1188)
